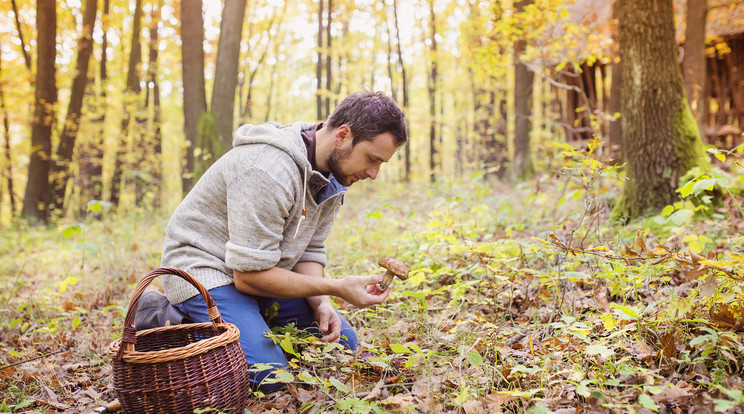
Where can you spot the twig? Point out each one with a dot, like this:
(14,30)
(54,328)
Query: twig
(31,359)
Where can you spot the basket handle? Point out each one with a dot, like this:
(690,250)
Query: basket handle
(129,337)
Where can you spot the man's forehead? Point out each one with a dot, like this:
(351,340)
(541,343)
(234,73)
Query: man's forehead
(382,147)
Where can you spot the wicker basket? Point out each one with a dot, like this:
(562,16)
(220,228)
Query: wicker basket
(176,369)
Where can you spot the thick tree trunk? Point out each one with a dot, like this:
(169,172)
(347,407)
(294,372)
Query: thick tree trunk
(523,83)
(37,187)
(226,69)
(194,94)
(63,160)
(660,137)
(695,60)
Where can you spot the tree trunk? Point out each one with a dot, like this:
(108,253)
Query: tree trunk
(616,99)
(26,56)
(8,170)
(132,90)
(37,187)
(104,43)
(226,69)
(432,87)
(695,59)
(328,83)
(523,82)
(135,54)
(407,148)
(63,160)
(151,159)
(319,67)
(660,137)
(194,94)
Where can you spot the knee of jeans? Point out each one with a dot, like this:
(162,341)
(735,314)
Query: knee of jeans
(349,339)
(263,377)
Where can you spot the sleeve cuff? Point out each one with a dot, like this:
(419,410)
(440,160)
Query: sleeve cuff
(245,259)
(314,257)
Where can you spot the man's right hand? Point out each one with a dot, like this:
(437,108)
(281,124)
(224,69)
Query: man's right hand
(362,291)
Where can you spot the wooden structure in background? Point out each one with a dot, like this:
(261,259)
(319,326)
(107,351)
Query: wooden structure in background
(724,111)
(584,94)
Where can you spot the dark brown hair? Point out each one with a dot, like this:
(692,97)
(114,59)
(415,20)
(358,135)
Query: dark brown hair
(369,114)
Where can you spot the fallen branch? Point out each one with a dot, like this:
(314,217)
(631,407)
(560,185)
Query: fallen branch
(31,359)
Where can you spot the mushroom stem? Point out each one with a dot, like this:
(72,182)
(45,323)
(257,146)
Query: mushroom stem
(393,268)
(386,279)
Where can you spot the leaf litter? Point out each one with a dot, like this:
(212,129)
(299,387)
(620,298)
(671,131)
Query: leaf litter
(507,310)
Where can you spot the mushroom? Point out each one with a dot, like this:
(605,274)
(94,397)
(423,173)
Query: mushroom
(394,268)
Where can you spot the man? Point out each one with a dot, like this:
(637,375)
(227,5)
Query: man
(253,229)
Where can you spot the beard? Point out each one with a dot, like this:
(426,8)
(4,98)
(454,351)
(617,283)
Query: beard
(334,165)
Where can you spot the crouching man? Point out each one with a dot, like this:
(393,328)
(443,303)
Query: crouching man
(253,228)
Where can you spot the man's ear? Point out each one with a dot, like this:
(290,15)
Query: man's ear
(343,133)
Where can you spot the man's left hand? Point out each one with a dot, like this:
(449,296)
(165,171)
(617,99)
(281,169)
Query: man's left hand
(328,322)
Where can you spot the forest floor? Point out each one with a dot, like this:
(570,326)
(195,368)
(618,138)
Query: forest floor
(521,299)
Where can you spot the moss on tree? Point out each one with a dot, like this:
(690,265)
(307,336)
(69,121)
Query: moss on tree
(688,147)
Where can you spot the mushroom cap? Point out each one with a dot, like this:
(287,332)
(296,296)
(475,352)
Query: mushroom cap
(395,266)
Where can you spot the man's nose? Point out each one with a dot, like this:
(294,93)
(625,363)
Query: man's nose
(372,172)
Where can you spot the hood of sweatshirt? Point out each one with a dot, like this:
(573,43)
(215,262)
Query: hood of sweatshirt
(287,138)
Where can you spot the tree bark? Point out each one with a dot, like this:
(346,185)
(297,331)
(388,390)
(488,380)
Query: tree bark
(37,187)
(661,141)
(63,160)
(523,83)
(695,59)
(194,93)
(226,69)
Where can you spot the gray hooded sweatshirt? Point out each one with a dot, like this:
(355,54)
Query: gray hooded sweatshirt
(259,206)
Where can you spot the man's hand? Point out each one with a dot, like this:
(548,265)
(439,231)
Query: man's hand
(280,283)
(362,291)
(328,322)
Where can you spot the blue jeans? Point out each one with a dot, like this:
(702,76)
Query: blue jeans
(247,313)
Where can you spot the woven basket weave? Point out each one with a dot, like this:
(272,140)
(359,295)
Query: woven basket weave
(180,368)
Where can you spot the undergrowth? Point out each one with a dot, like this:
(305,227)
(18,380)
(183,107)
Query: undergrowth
(521,299)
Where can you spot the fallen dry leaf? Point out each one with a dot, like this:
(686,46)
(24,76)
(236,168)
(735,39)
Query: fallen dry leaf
(400,400)
(474,407)
(496,399)
(376,392)
(673,394)
(668,347)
